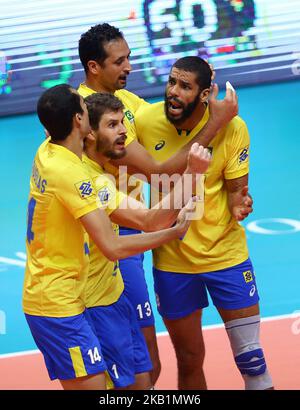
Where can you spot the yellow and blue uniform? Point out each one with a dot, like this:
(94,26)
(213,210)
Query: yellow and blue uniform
(132,267)
(216,242)
(113,317)
(105,284)
(61,192)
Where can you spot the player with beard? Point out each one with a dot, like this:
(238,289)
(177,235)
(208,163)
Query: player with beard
(213,255)
(105,55)
(113,317)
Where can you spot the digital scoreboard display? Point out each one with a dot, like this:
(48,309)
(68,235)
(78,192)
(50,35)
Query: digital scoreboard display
(247,41)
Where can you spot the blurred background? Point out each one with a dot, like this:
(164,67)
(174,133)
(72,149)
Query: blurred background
(248,42)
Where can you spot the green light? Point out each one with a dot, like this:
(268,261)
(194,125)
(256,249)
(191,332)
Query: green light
(65,69)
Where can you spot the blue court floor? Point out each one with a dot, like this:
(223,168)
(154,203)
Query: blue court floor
(273,230)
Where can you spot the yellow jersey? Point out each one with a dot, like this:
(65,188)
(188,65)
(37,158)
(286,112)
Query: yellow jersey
(217,241)
(132,103)
(61,191)
(105,284)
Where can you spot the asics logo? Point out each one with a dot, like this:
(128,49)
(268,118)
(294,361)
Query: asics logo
(160,145)
(252,290)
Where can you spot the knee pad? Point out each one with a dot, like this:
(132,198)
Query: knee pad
(248,354)
(251,363)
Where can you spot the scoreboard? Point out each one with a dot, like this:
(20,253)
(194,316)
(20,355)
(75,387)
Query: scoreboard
(248,41)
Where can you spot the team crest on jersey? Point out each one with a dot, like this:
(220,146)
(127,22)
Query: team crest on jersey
(85,188)
(243,155)
(129,116)
(248,276)
(104,195)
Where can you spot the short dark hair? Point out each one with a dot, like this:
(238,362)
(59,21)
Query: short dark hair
(91,43)
(56,108)
(99,103)
(198,66)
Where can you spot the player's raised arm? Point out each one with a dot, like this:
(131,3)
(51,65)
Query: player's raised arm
(138,160)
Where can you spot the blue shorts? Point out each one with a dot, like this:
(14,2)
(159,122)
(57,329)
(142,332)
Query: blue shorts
(69,345)
(179,294)
(122,341)
(136,290)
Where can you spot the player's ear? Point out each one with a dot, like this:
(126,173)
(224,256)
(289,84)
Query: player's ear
(89,140)
(47,134)
(204,95)
(91,136)
(93,66)
(77,119)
